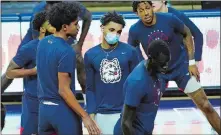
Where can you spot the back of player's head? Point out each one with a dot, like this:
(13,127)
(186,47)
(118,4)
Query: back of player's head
(158,49)
(52,2)
(39,19)
(112,17)
(63,13)
(3,113)
(136,3)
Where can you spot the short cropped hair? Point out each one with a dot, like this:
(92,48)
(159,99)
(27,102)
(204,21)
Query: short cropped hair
(136,3)
(114,17)
(39,19)
(157,47)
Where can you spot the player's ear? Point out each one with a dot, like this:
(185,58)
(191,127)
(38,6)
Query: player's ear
(64,27)
(102,28)
(42,30)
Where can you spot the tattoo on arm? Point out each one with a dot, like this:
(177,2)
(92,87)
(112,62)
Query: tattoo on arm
(81,76)
(188,42)
(129,114)
(5,82)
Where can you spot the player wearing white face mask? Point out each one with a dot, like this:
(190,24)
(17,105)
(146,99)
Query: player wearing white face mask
(107,66)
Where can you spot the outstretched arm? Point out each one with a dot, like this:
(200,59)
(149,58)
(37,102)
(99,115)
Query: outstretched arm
(128,117)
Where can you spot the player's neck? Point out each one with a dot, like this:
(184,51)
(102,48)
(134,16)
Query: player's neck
(41,36)
(105,45)
(61,35)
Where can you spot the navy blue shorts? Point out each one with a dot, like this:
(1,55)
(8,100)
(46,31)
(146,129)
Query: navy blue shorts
(58,118)
(180,75)
(118,129)
(29,116)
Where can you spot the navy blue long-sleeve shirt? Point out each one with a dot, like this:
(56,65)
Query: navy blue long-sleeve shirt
(105,76)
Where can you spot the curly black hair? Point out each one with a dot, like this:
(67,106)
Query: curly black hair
(156,47)
(63,13)
(114,17)
(136,3)
(52,2)
(39,19)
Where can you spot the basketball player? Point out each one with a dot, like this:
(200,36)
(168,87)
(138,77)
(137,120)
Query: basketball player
(161,6)
(86,17)
(107,66)
(59,110)
(182,67)
(23,66)
(143,91)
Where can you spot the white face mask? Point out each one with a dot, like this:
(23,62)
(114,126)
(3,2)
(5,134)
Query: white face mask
(111,38)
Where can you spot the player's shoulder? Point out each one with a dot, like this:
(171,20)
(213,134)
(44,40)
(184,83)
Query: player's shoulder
(139,73)
(127,46)
(164,15)
(135,27)
(94,50)
(30,45)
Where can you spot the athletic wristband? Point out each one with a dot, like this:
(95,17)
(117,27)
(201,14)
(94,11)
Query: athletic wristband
(192,62)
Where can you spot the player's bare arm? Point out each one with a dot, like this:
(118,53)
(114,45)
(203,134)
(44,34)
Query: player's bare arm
(87,18)
(19,72)
(129,114)
(5,80)
(66,93)
(188,42)
(81,76)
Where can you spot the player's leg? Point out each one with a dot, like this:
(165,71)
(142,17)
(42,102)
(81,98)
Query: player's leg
(117,128)
(30,115)
(193,89)
(200,99)
(66,122)
(107,122)
(45,113)
(3,113)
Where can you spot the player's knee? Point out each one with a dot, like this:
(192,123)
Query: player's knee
(207,107)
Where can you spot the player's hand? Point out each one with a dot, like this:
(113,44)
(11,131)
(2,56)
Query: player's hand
(92,116)
(91,126)
(197,64)
(193,70)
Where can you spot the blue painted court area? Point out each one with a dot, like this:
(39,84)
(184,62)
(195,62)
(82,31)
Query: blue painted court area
(174,117)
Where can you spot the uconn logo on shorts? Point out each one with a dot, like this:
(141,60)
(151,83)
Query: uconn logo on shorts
(110,71)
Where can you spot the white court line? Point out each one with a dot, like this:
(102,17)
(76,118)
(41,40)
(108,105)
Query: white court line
(200,114)
(181,116)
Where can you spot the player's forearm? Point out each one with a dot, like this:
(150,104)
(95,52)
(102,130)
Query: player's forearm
(85,27)
(81,76)
(198,41)
(72,102)
(5,82)
(127,127)
(188,41)
(127,119)
(21,73)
